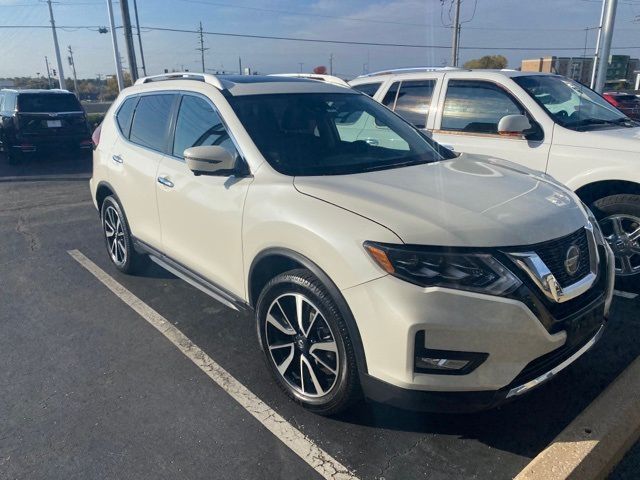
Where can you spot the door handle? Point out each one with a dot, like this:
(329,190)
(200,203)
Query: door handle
(165,181)
(117,159)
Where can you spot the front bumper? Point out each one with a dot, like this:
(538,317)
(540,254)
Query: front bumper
(523,349)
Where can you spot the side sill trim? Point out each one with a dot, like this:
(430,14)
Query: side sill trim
(519,390)
(192,278)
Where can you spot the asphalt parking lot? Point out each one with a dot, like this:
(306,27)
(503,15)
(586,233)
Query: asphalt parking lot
(91,390)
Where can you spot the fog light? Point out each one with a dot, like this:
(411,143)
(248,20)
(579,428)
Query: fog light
(441,363)
(444,362)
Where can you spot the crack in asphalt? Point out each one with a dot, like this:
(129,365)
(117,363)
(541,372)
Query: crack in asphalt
(22,227)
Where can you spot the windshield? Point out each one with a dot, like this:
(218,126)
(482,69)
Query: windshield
(48,102)
(331,133)
(571,104)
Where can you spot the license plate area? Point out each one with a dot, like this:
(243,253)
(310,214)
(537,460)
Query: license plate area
(54,123)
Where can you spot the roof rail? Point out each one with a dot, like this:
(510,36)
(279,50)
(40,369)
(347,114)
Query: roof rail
(314,76)
(198,77)
(410,70)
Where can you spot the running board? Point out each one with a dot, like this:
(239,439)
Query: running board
(192,278)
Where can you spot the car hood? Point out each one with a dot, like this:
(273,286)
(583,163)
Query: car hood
(619,139)
(467,201)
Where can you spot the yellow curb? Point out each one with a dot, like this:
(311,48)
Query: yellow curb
(596,440)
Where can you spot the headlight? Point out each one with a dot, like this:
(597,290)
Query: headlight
(474,272)
(594,223)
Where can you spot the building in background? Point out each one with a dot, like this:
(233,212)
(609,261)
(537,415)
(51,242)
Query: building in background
(622,70)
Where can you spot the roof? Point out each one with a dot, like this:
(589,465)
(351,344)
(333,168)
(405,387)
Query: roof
(401,72)
(248,84)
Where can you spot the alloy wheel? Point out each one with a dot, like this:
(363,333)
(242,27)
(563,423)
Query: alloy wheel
(622,232)
(114,233)
(302,345)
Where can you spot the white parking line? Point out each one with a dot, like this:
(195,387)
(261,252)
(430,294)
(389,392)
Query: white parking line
(305,448)
(628,295)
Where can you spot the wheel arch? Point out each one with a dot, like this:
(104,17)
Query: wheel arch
(593,191)
(103,190)
(273,261)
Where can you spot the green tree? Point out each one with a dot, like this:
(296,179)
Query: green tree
(488,61)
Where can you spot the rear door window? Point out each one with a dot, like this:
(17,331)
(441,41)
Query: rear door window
(368,88)
(125,114)
(48,102)
(413,101)
(151,121)
(476,106)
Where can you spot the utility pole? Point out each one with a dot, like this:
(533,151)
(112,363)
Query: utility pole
(57,47)
(128,40)
(331,64)
(456,35)
(46,61)
(202,48)
(114,42)
(301,64)
(239,65)
(605,48)
(596,56)
(135,12)
(75,78)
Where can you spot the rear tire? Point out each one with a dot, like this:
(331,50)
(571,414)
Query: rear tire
(306,343)
(619,218)
(118,239)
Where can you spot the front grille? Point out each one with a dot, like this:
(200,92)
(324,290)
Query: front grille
(554,254)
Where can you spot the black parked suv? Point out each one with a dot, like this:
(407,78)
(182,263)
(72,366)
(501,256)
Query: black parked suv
(42,120)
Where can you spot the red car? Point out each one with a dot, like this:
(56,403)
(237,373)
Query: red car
(627,103)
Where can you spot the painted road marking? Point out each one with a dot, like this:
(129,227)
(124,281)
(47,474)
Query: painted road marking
(628,295)
(305,448)
(595,441)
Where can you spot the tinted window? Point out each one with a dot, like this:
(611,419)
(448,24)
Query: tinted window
(390,97)
(48,102)
(368,88)
(1,102)
(300,134)
(476,106)
(199,124)
(125,114)
(151,120)
(413,101)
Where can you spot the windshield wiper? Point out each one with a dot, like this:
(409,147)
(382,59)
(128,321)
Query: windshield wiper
(588,122)
(409,163)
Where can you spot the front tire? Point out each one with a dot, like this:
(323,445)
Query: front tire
(306,343)
(619,218)
(118,239)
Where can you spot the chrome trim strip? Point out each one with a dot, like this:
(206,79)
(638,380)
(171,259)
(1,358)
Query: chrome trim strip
(519,390)
(538,271)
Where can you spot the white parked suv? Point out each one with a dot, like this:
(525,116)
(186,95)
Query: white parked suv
(542,121)
(392,269)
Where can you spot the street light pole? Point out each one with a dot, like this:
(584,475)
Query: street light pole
(607,35)
(46,61)
(75,78)
(57,47)
(135,12)
(596,56)
(456,36)
(128,40)
(114,42)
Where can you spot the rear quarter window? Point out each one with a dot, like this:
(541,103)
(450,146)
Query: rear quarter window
(125,114)
(368,88)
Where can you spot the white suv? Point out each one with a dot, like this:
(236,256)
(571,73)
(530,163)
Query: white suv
(545,122)
(401,271)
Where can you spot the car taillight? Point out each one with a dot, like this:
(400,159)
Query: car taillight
(95,138)
(612,101)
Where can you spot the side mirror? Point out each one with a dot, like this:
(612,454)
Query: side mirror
(513,125)
(210,160)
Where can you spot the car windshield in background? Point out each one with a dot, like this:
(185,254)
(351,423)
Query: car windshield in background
(48,102)
(331,134)
(573,105)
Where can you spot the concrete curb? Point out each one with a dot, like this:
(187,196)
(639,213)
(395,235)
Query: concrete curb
(47,178)
(598,438)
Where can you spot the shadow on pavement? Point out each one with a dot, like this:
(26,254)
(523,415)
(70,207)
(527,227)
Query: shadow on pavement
(47,167)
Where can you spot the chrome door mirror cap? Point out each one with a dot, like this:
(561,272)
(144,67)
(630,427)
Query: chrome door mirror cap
(513,125)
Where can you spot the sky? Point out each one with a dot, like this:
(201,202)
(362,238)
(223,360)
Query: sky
(490,27)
